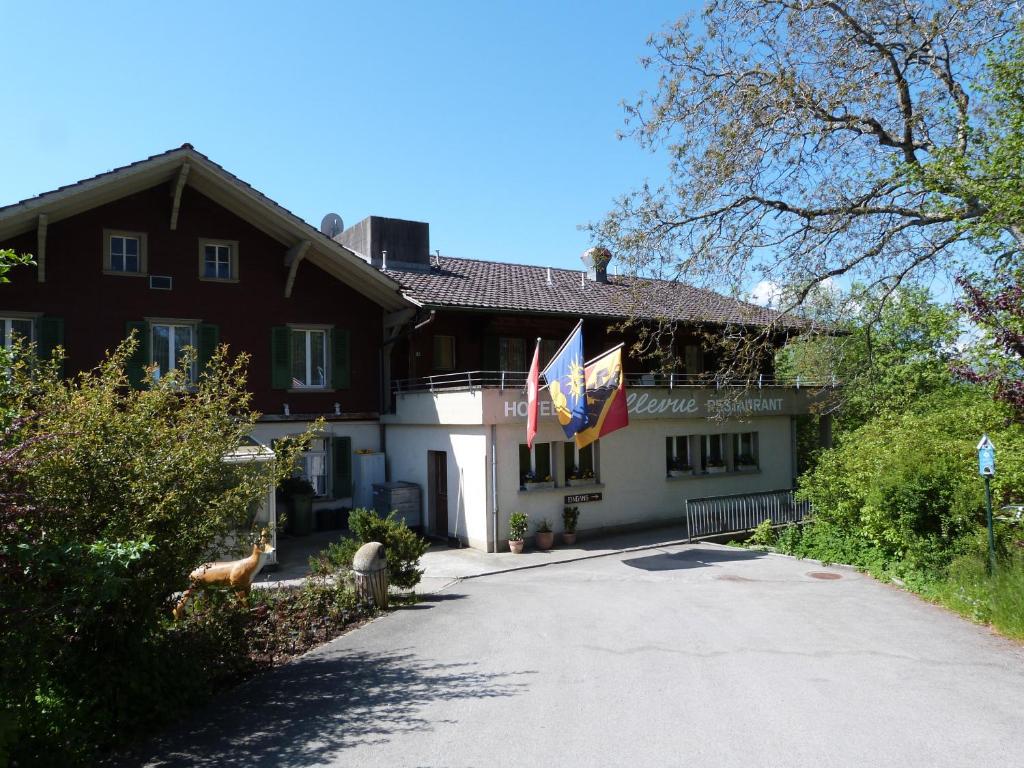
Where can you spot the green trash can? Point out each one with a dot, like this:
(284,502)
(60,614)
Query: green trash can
(299,495)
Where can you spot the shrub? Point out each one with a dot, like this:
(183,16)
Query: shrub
(402,546)
(543,526)
(109,497)
(518,525)
(763,535)
(570,519)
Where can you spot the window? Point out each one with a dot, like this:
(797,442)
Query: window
(712,453)
(168,344)
(512,354)
(677,455)
(313,466)
(20,328)
(535,464)
(744,447)
(579,463)
(218,260)
(308,358)
(444,352)
(548,347)
(124,253)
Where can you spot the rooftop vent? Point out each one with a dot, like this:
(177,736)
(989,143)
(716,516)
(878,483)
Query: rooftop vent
(596,261)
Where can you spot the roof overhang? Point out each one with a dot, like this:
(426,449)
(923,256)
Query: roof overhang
(216,183)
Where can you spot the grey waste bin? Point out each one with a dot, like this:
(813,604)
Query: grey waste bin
(370,568)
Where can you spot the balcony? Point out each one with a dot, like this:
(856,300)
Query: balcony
(496,397)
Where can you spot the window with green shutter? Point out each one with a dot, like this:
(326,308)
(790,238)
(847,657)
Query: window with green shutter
(135,368)
(209,338)
(341,448)
(341,362)
(280,357)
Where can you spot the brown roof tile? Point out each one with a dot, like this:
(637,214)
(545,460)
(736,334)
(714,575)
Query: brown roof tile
(466,283)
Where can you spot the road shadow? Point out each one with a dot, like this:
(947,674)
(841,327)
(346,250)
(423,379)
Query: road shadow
(309,712)
(690,558)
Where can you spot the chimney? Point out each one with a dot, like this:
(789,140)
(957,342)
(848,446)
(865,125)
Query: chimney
(596,261)
(390,243)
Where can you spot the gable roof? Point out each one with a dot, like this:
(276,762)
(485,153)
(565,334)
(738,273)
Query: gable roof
(489,285)
(213,181)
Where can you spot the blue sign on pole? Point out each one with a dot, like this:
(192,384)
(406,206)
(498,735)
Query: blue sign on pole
(986,457)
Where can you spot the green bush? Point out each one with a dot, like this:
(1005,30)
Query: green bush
(109,497)
(763,535)
(402,546)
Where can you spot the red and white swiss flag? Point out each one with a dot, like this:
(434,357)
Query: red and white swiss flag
(532,387)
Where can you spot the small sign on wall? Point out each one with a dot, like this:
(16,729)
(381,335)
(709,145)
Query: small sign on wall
(582,498)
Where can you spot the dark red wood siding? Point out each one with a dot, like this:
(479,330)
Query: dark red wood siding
(95,306)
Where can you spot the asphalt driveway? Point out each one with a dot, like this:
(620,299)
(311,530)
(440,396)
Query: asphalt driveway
(680,656)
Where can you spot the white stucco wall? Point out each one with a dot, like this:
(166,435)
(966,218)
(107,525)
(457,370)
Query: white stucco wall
(365,435)
(632,473)
(468,472)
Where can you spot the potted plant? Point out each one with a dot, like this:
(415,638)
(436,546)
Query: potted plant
(715,467)
(570,517)
(518,523)
(545,538)
(299,493)
(745,463)
(574,476)
(679,467)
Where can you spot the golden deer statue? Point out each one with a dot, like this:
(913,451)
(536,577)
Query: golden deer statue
(232,574)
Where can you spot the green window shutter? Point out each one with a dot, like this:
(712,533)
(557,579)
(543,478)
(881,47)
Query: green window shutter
(341,360)
(50,335)
(341,447)
(135,368)
(209,338)
(281,357)
(490,356)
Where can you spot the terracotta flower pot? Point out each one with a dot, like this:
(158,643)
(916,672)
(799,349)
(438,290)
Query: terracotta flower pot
(516,545)
(569,538)
(544,540)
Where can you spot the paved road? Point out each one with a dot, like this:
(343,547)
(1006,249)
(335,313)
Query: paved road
(681,656)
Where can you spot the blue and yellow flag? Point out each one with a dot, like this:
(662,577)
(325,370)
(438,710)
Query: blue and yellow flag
(567,384)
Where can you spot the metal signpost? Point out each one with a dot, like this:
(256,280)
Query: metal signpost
(987,468)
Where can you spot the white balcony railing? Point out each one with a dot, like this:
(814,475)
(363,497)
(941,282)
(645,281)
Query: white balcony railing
(516,380)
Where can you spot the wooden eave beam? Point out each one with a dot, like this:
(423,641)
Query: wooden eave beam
(178,188)
(41,225)
(292,258)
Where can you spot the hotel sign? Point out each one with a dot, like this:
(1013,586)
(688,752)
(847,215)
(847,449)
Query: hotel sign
(668,404)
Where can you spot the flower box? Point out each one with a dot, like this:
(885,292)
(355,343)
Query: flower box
(680,472)
(746,467)
(538,484)
(715,470)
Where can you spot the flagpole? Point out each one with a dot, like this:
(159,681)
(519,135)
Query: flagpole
(607,352)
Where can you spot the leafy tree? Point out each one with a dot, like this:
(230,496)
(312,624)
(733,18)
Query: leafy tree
(996,306)
(887,356)
(10,259)
(815,139)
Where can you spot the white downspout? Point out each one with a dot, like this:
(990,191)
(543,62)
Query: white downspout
(494,488)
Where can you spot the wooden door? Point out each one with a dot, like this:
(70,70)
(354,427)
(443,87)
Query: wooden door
(437,492)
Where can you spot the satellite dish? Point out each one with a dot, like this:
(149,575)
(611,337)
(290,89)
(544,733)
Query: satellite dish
(332,225)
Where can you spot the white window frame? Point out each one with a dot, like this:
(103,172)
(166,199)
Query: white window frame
(108,265)
(723,450)
(674,455)
(232,249)
(754,451)
(173,325)
(552,462)
(595,451)
(308,330)
(319,447)
(6,324)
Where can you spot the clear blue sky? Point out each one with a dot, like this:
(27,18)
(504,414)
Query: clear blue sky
(496,123)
